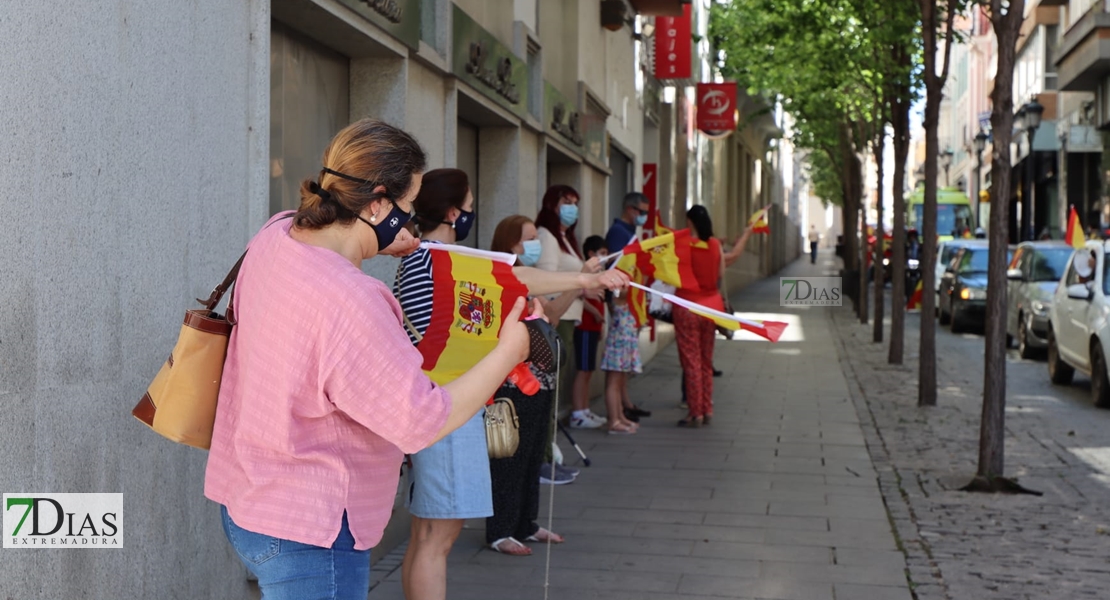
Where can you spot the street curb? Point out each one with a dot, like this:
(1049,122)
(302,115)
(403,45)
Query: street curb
(923,574)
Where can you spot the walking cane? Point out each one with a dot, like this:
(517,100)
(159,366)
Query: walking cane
(585,459)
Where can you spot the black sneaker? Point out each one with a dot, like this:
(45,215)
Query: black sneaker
(631,416)
(717,373)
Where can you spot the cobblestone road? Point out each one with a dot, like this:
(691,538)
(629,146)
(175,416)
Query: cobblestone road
(977,546)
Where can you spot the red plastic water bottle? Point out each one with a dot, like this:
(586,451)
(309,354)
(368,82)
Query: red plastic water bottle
(521,376)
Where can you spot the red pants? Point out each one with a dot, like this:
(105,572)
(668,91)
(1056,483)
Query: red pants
(695,336)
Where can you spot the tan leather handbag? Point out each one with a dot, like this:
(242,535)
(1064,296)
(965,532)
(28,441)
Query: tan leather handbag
(502,428)
(180,404)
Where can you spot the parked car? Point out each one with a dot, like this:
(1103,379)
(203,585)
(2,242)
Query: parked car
(963,288)
(1078,330)
(1033,274)
(945,252)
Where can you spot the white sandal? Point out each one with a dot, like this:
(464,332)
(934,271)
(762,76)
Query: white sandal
(554,537)
(496,547)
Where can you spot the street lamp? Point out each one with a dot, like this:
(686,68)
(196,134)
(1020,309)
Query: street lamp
(1032,120)
(945,163)
(980,145)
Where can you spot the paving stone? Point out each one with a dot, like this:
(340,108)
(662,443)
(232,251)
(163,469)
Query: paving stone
(848,591)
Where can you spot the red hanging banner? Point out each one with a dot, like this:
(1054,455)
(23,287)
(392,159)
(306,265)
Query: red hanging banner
(673,51)
(717,108)
(650,186)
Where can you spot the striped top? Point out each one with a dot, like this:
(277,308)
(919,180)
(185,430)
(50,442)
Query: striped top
(413,290)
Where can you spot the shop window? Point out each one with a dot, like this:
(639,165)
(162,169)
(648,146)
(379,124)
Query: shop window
(309,104)
(620,181)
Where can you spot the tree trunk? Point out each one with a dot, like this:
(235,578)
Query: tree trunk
(863,262)
(900,126)
(992,426)
(880,272)
(850,215)
(927,369)
(934,88)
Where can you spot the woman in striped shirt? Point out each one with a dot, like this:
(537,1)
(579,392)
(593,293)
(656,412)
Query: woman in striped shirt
(451,479)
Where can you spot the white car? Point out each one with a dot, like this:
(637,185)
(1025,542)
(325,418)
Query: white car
(1079,323)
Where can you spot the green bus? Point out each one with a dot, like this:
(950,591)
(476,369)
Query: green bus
(953,212)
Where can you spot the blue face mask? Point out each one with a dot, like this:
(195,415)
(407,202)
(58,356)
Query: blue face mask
(641,220)
(531,253)
(568,214)
(462,225)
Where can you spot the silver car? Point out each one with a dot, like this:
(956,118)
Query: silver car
(1033,275)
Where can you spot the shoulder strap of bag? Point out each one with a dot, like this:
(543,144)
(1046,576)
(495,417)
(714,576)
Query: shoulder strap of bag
(411,328)
(219,291)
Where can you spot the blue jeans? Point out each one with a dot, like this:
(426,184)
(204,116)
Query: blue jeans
(289,570)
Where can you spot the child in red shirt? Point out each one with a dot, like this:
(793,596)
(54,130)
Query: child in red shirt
(587,334)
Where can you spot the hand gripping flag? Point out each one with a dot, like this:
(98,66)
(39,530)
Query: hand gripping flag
(664,257)
(472,291)
(1074,235)
(914,302)
(770,330)
(759,222)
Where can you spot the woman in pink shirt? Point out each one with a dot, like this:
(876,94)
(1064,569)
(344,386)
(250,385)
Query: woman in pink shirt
(322,393)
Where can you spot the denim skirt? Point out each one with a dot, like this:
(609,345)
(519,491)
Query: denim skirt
(450,479)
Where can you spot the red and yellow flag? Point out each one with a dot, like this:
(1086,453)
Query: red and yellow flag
(1074,235)
(759,221)
(770,330)
(664,257)
(637,300)
(470,295)
(914,302)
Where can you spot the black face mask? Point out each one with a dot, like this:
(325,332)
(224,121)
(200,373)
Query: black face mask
(390,226)
(462,225)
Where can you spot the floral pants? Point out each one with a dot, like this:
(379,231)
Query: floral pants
(695,336)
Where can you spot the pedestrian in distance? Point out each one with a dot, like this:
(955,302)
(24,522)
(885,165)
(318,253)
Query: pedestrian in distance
(450,481)
(322,393)
(696,335)
(814,239)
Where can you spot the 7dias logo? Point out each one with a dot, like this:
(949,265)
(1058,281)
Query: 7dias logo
(810,291)
(63,520)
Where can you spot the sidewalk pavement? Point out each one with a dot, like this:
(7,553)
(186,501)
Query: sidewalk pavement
(776,499)
(973,545)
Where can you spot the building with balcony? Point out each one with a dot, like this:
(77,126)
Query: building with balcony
(1083,67)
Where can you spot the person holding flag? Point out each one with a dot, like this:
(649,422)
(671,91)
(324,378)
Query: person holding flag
(322,393)
(622,346)
(450,481)
(515,480)
(694,334)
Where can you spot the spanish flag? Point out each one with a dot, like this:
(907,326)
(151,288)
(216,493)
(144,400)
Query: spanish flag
(471,292)
(914,302)
(770,330)
(759,222)
(664,257)
(637,300)
(1074,235)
